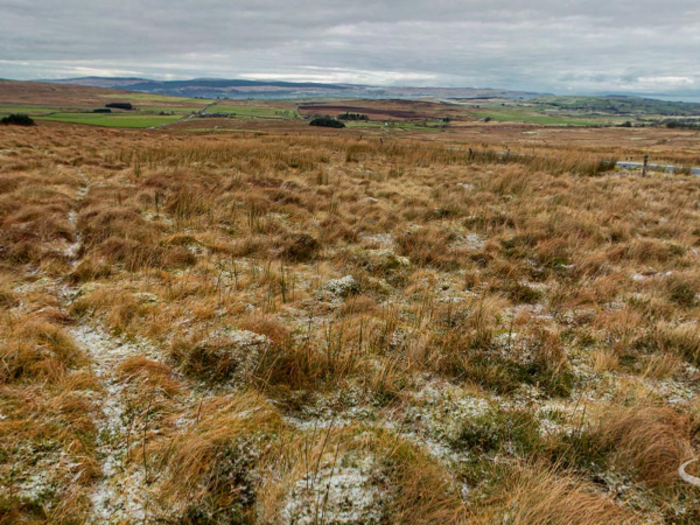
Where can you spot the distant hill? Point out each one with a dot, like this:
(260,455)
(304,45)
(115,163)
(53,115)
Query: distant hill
(622,105)
(50,94)
(244,89)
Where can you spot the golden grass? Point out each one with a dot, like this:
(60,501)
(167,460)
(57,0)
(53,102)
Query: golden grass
(653,441)
(282,307)
(532,496)
(210,466)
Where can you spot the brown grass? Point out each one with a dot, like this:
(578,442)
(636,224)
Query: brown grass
(534,496)
(653,441)
(535,281)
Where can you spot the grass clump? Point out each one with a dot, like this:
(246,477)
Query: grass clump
(214,468)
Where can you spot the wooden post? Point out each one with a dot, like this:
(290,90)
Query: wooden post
(644,168)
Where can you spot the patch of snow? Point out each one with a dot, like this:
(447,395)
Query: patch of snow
(342,287)
(384,239)
(120,496)
(649,275)
(337,494)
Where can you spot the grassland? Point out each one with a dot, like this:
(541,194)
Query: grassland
(115,120)
(249,111)
(7,109)
(537,115)
(151,97)
(305,326)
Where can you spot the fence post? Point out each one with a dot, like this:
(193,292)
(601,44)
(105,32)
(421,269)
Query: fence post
(644,168)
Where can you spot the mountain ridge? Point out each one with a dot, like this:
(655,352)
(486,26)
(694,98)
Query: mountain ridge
(243,88)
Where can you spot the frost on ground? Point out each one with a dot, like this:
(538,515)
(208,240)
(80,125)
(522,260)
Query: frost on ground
(337,494)
(342,287)
(121,494)
(434,415)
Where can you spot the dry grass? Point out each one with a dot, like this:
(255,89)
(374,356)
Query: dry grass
(36,350)
(652,441)
(211,468)
(532,496)
(467,336)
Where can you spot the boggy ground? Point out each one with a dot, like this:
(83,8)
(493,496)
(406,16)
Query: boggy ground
(328,330)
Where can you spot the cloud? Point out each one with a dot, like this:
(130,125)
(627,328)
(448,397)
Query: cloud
(547,45)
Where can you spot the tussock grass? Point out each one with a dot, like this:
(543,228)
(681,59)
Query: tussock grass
(37,350)
(212,467)
(653,441)
(535,495)
(470,333)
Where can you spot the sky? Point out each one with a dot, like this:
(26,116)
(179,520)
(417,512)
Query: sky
(559,46)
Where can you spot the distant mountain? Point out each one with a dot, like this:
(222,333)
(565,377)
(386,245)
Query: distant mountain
(101,82)
(680,96)
(627,105)
(244,89)
(51,94)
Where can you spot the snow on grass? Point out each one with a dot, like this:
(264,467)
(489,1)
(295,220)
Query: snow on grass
(342,287)
(71,251)
(121,495)
(337,494)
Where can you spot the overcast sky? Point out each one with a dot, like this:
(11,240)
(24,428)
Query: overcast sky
(562,46)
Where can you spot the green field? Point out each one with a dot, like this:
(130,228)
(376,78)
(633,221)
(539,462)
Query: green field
(253,112)
(537,115)
(394,125)
(178,110)
(7,109)
(113,120)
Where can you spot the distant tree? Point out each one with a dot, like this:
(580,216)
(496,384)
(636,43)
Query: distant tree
(681,124)
(17,119)
(352,116)
(326,122)
(119,105)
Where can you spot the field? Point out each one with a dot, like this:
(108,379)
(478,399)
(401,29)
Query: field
(118,120)
(250,320)
(414,118)
(75,104)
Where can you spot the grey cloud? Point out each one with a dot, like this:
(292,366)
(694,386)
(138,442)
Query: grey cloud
(548,45)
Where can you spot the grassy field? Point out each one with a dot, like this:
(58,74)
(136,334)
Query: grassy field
(255,112)
(74,104)
(393,126)
(537,115)
(151,97)
(178,110)
(310,326)
(30,110)
(112,120)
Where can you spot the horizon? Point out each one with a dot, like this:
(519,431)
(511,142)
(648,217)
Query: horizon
(691,98)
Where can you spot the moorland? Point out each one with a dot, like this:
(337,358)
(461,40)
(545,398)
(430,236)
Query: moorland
(426,319)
